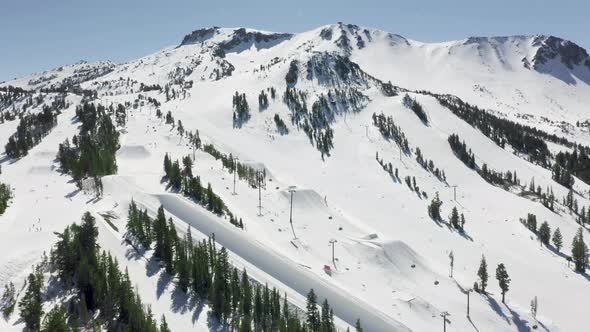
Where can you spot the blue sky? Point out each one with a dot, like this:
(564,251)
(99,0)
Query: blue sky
(42,34)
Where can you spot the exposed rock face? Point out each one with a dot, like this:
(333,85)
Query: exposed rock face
(236,39)
(198,36)
(551,47)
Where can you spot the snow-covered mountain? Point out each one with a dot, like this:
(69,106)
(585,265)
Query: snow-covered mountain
(359,121)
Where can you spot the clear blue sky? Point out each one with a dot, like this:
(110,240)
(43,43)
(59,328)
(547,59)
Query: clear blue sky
(42,34)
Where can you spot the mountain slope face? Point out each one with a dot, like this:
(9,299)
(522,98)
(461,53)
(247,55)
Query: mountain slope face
(326,111)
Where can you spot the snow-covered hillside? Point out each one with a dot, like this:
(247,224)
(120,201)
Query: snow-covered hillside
(311,121)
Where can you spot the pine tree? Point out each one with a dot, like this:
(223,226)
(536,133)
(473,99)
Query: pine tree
(327,324)
(434,207)
(236,295)
(220,300)
(164,325)
(56,321)
(454,218)
(170,241)
(159,230)
(246,303)
(482,273)
(8,300)
(182,266)
(357,326)
(503,279)
(167,165)
(312,315)
(545,233)
(580,251)
(557,239)
(31,308)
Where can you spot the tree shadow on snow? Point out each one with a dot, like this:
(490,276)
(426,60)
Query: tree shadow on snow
(496,307)
(198,310)
(72,193)
(163,280)
(132,254)
(5,159)
(465,236)
(585,275)
(180,301)
(94,200)
(152,267)
(214,325)
(521,325)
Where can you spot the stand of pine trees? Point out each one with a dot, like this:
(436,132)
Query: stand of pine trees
(241,110)
(390,130)
(281,126)
(33,127)
(245,172)
(262,100)
(317,122)
(524,139)
(429,166)
(497,178)
(104,295)
(561,174)
(92,151)
(184,181)
(416,107)
(8,300)
(203,270)
(461,151)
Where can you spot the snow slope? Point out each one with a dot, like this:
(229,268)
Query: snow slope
(392,267)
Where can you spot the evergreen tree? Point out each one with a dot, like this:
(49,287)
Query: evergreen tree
(236,294)
(357,326)
(31,307)
(159,230)
(454,218)
(580,251)
(164,325)
(545,233)
(503,279)
(482,273)
(167,165)
(170,241)
(56,321)
(312,315)
(183,268)
(8,300)
(220,292)
(434,207)
(557,239)
(246,303)
(327,324)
